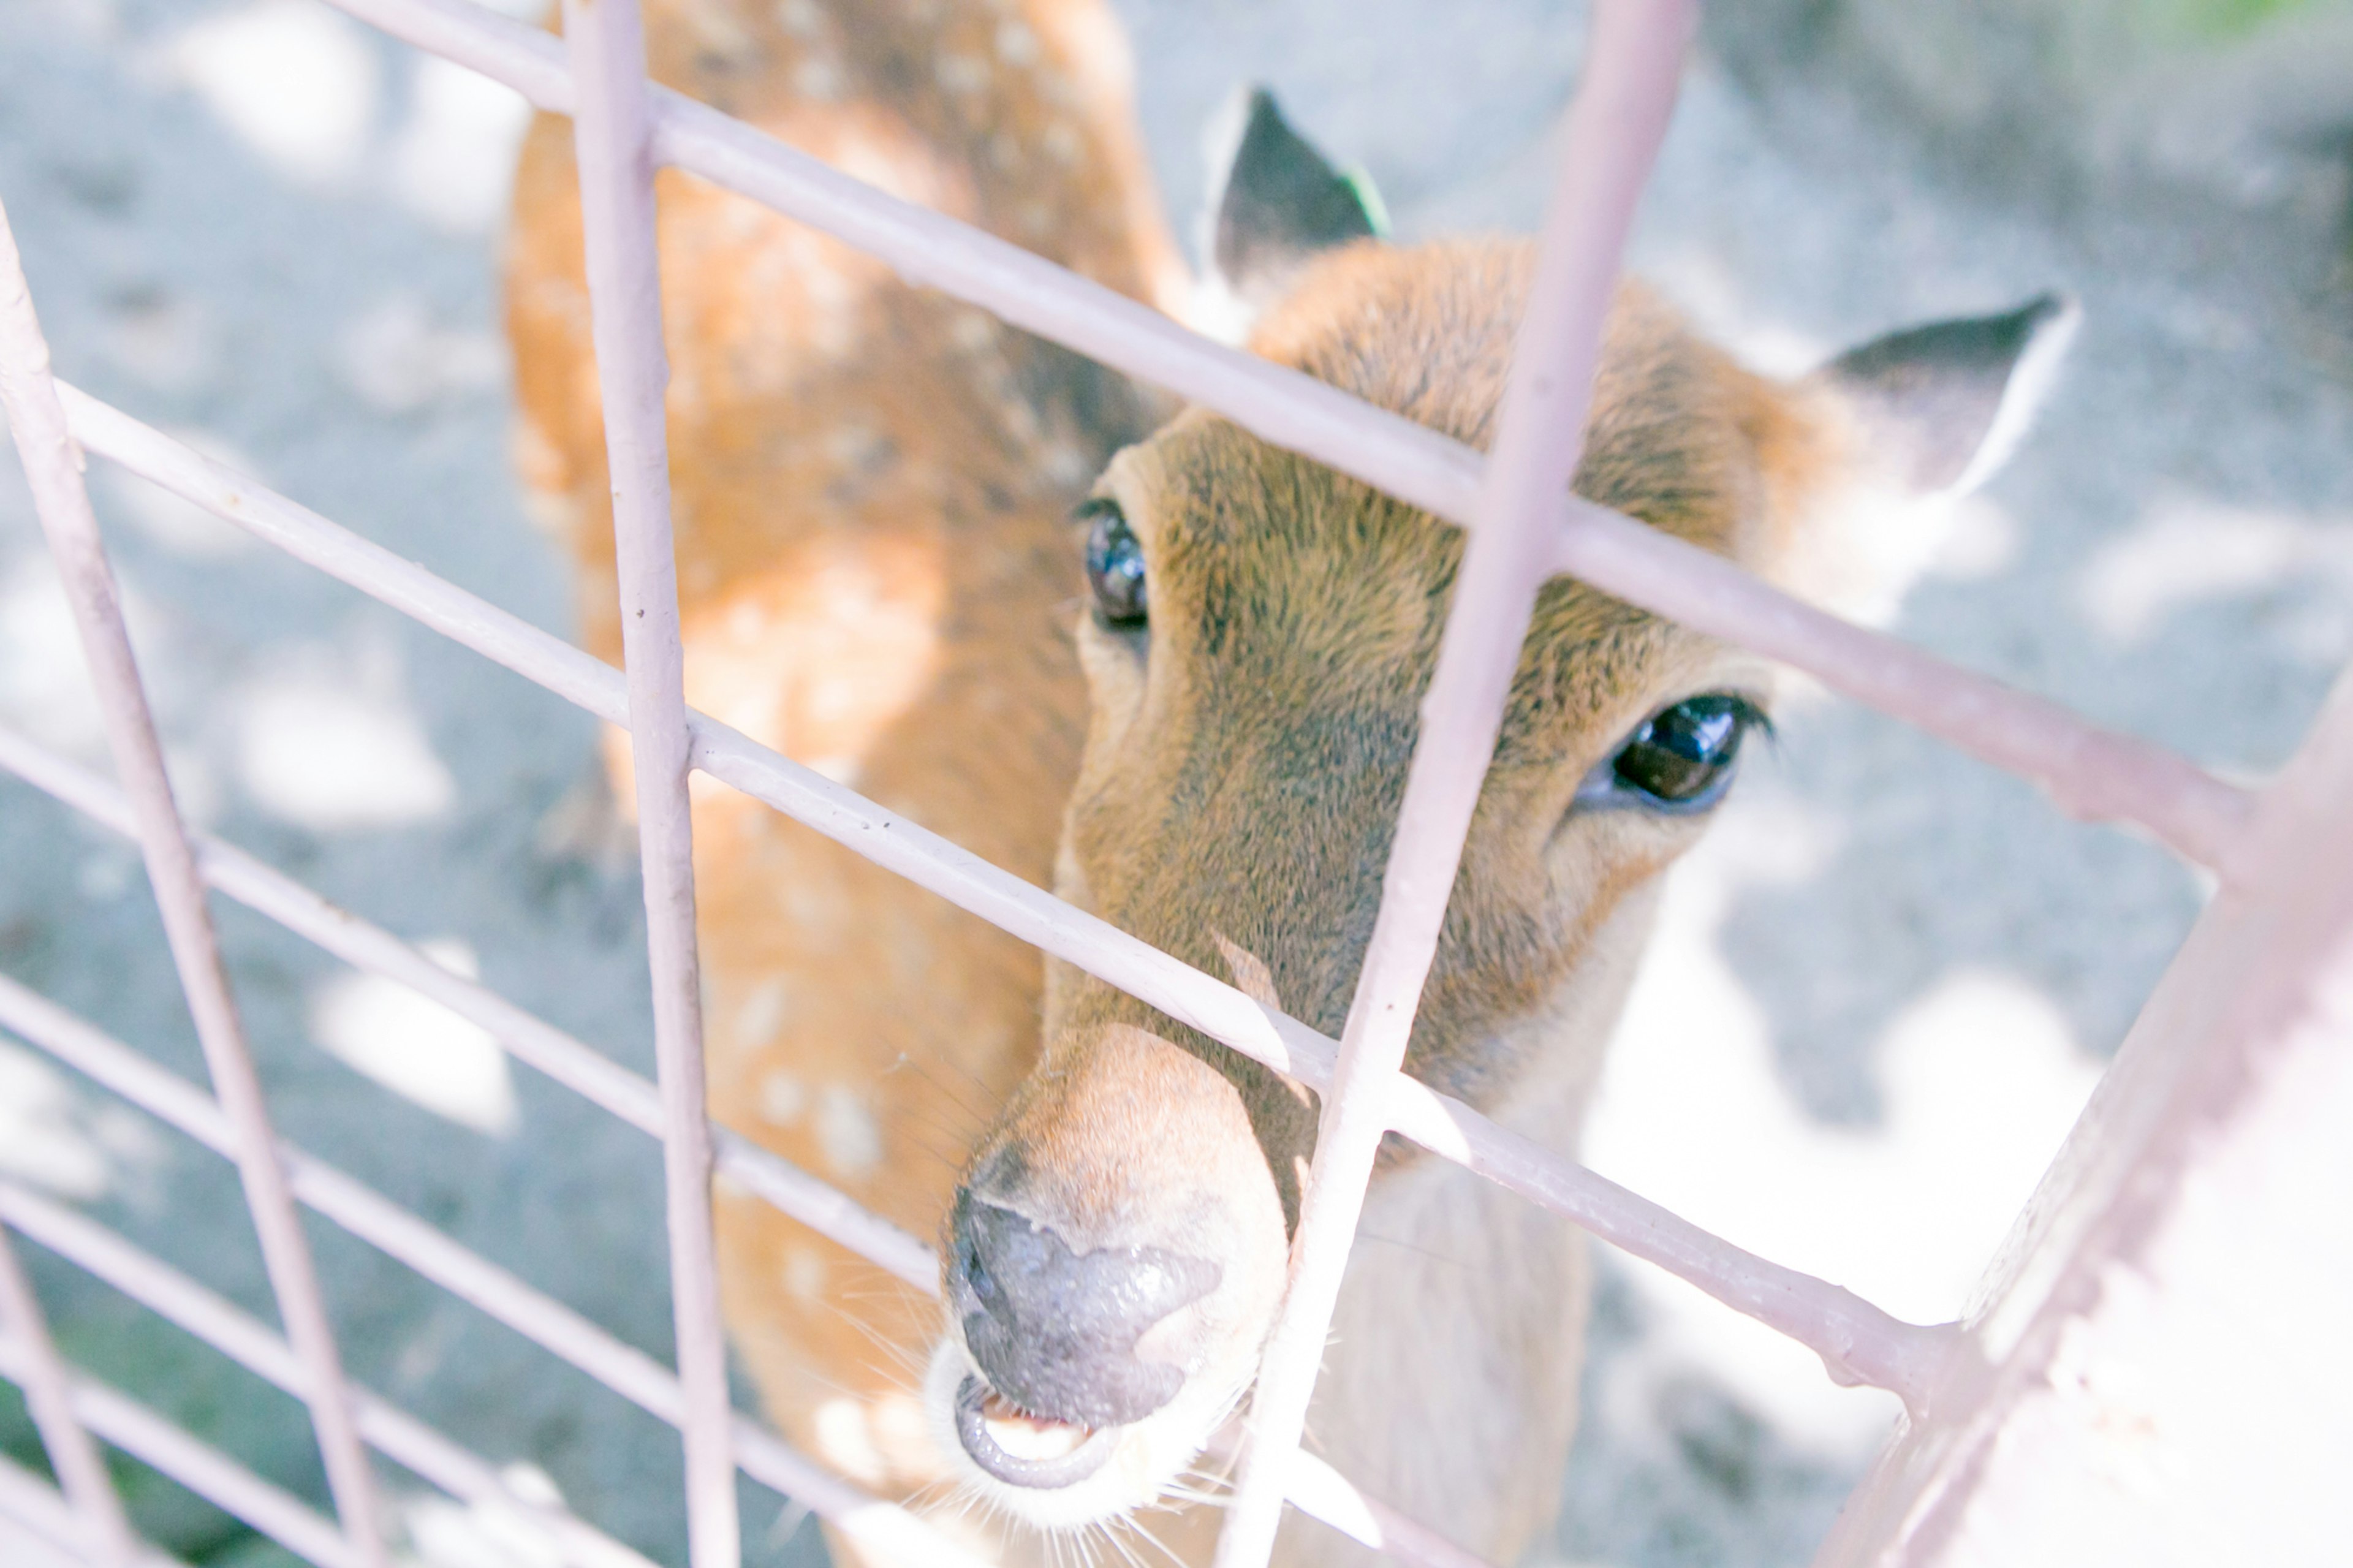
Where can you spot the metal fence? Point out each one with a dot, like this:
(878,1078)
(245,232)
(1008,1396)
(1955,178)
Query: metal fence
(1526,527)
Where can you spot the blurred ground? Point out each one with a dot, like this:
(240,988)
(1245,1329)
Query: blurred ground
(1882,987)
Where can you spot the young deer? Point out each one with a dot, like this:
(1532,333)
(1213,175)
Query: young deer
(1191,711)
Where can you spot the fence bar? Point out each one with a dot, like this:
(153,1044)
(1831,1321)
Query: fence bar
(393,1230)
(53,468)
(202,1468)
(612,139)
(536,1043)
(1858,1342)
(1326,1495)
(34,1504)
(247,1341)
(376,1220)
(1632,61)
(98,1509)
(2092,773)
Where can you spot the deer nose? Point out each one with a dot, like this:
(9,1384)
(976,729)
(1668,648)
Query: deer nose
(1055,1331)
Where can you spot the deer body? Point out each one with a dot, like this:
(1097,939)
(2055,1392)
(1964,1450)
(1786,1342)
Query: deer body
(1189,712)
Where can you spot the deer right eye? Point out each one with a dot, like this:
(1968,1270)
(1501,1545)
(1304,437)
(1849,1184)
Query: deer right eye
(1114,563)
(1682,759)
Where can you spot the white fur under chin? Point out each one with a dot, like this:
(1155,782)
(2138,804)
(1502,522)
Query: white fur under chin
(1151,1457)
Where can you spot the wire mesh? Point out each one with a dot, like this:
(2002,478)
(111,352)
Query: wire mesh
(1524,529)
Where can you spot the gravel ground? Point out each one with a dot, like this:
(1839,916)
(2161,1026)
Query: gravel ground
(1882,989)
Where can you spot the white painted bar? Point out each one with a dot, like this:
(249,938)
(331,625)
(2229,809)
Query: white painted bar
(393,1230)
(793,1191)
(1634,60)
(246,1340)
(45,1521)
(528,1039)
(1858,1341)
(99,1520)
(202,1468)
(612,139)
(53,468)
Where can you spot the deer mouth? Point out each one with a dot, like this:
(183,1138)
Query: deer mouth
(1024,1449)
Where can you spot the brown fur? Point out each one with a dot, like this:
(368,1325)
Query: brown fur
(871,491)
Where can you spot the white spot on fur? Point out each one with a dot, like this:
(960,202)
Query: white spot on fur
(843,771)
(819,657)
(1065,464)
(973,332)
(902,1433)
(842,1436)
(1062,144)
(1015,44)
(852,446)
(804,1274)
(817,79)
(847,1132)
(961,73)
(783,1098)
(762,1015)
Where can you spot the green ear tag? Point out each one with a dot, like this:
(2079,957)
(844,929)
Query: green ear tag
(1359,181)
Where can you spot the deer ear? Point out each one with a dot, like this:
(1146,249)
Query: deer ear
(1275,204)
(1942,406)
(1929,413)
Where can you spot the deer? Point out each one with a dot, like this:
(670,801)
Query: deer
(1131,652)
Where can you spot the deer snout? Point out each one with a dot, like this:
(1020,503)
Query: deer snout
(1056,1335)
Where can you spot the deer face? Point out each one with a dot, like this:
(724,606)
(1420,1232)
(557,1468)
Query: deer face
(1259,633)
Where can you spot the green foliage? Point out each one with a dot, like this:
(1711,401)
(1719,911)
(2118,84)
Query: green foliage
(2211,20)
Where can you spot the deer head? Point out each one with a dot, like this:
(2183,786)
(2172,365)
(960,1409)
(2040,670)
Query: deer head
(1259,634)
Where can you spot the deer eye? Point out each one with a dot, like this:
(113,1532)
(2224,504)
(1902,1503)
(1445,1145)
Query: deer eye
(1114,562)
(1681,758)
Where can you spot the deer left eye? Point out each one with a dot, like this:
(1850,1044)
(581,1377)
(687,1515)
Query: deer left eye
(1114,563)
(1681,758)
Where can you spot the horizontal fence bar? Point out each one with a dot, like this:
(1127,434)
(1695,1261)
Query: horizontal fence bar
(1858,1342)
(197,1466)
(793,1191)
(53,472)
(2089,771)
(399,1234)
(249,1342)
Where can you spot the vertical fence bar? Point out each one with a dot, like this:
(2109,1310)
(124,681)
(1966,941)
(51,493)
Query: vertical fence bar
(53,469)
(49,1393)
(1633,60)
(612,138)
